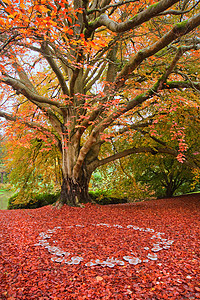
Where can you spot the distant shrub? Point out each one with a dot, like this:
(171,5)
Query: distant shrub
(104,197)
(35,202)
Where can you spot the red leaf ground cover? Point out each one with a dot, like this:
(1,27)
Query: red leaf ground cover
(27,270)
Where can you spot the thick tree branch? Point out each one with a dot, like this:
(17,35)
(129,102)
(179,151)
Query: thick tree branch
(135,150)
(89,74)
(82,154)
(179,12)
(182,84)
(113,6)
(30,124)
(22,74)
(8,41)
(181,50)
(127,107)
(139,19)
(10,117)
(96,77)
(136,126)
(21,88)
(178,30)
(35,98)
(48,55)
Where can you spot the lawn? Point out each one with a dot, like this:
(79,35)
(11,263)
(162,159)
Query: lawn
(4,196)
(148,250)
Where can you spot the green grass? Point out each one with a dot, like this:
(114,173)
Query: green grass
(4,196)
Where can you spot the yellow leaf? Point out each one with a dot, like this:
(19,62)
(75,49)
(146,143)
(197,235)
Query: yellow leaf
(7,2)
(44,9)
(22,6)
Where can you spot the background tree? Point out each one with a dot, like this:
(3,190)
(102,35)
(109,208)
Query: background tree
(141,176)
(166,177)
(91,70)
(145,177)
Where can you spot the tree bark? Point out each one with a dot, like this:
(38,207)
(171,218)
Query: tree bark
(170,190)
(74,192)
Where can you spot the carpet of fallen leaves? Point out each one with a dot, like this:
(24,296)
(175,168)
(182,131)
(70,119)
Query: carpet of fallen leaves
(27,271)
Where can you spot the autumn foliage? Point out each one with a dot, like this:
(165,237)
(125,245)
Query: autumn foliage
(30,269)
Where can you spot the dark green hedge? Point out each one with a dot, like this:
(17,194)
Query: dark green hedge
(105,198)
(100,197)
(37,201)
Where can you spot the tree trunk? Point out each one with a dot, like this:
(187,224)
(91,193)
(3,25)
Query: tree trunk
(170,189)
(169,192)
(74,190)
(73,193)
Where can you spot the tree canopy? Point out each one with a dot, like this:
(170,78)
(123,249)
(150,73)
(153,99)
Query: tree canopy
(79,74)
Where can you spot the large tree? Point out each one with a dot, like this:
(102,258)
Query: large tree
(94,70)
